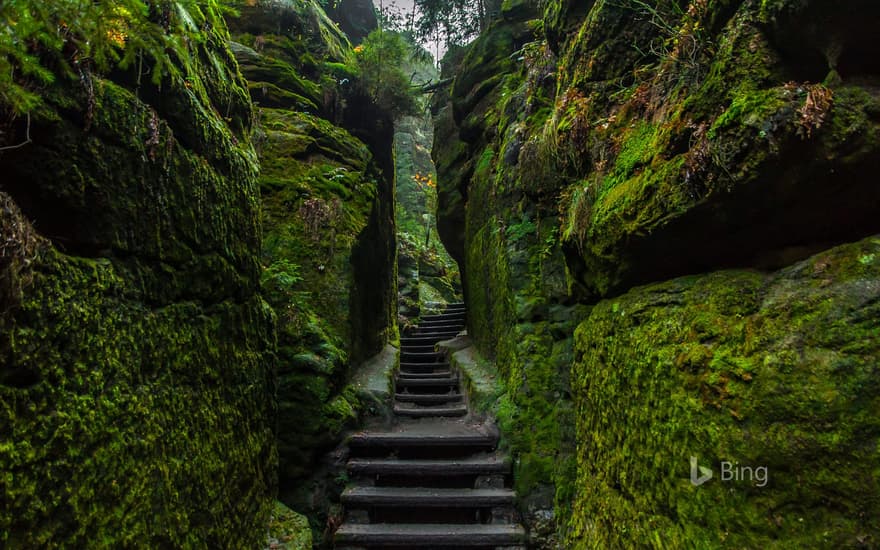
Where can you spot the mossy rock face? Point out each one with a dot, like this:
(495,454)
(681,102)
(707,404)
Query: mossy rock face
(328,253)
(730,134)
(319,188)
(653,131)
(776,371)
(301,25)
(275,83)
(606,146)
(289,530)
(451,160)
(136,386)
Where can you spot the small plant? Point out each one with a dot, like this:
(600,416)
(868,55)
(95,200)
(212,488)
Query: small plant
(317,214)
(19,247)
(279,281)
(517,231)
(42,40)
(815,109)
(379,59)
(428,186)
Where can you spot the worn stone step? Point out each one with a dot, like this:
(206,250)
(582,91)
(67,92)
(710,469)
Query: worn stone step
(423,367)
(427,382)
(417,340)
(428,398)
(426,437)
(443,304)
(415,535)
(426,497)
(416,357)
(447,326)
(426,374)
(437,325)
(417,348)
(485,465)
(442,333)
(437,336)
(433,411)
(456,316)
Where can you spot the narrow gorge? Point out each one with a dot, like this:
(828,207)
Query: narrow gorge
(605,275)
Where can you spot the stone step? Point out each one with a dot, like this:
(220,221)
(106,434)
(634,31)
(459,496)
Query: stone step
(438,328)
(417,341)
(428,398)
(430,411)
(415,357)
(436,325)
(448,313)
(416,535)
(443,304)
(427,382)
(426,374)
(486,465)
(425,438)
(436,336)
(425,497)
(455,316)
(417,348)
(422,367)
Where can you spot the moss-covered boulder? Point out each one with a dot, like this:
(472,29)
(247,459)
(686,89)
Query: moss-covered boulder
(771,371)
(136,373)
(711,124)
(606,144)
(319,187)
(329,252)
(288,530)
(293,56)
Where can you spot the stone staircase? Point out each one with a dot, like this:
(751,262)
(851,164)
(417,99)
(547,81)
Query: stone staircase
(434,478)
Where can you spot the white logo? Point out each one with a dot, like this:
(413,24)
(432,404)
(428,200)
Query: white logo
(699,474)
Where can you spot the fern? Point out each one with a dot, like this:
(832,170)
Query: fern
(41,41)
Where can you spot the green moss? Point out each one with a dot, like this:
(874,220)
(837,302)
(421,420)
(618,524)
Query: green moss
(753,108)
(289,530)
(649,151)
(133,414)
(731,366)
(636,150)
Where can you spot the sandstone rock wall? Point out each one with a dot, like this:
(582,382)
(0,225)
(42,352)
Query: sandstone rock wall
(587,148)
(136,365)
(329,251)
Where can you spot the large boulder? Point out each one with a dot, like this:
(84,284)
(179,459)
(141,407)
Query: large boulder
(689,141)
(136,373)
(776,371)
(329,250)
(610,144)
